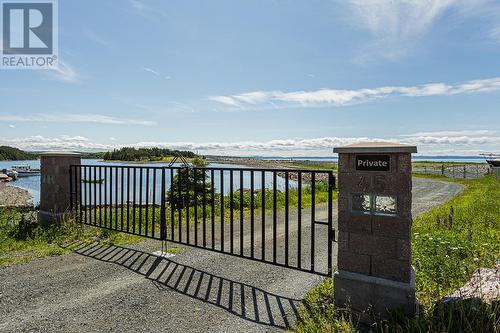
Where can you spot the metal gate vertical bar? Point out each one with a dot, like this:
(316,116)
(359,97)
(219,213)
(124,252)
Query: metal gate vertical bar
(96,180)
(85,193)
(179,203)
(204,209)
(195,202)
(140,200)
(71,195)
(313,218)
(116,198)
(128,199)
(299,220)
(252,217)
(88,183)
(163,222)
(153,225)
(222,209)
(100,197)
(147,202)
(172,210)
(241,212)
(331,185)
(231,212)
(134,196)
(187,204)
(79,184)
(286,216)
(212,199)
(275,218)
(263,212)
(111,197)
(121,197)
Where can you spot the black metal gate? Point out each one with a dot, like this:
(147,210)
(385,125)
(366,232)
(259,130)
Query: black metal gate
(267,215)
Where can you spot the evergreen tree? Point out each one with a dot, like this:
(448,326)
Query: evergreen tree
(186,183)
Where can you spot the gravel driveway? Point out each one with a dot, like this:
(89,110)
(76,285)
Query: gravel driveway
(125,289)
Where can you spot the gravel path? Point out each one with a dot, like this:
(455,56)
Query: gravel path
(125,289)
(11,196)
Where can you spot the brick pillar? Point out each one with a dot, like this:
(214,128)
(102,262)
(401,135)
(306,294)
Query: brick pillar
(55,195)
(374,250)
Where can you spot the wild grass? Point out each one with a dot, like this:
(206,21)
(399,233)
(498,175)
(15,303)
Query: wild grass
(22,239)
(444,258)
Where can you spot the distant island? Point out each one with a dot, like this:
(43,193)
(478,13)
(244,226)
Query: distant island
(14,154)
(147,154)
(129,154)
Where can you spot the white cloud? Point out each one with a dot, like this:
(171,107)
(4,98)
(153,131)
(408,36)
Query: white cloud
(454,139)
(12,126)
(75,118)
(483,132)
(396,26)
(64,73)
(495,34)
(340,97)
(93,36)
(139,5)
(152,71)
(63,142)
(227,100)
(430,143)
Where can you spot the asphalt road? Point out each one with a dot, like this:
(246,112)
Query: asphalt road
(126,289)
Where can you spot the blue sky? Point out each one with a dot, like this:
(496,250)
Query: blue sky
(291,78)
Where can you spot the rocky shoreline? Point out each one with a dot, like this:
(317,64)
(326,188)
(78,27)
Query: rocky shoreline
(14,197)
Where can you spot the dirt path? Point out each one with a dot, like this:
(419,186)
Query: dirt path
(102,288)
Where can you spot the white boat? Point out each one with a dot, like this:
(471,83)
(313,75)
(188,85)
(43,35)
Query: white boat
(10,173)
(24,170)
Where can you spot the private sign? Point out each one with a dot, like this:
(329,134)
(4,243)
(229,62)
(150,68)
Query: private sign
(373,162)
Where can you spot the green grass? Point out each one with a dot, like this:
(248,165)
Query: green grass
(22,240)
(445,259)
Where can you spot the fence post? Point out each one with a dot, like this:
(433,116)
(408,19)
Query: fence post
(442,169)
(465,171)
(55,185)
(374,222)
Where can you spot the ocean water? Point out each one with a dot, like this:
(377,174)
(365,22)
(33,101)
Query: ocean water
(93,191)
(32,184)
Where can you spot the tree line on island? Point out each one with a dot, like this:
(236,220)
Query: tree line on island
(14,154)
(124,154)
(146,154)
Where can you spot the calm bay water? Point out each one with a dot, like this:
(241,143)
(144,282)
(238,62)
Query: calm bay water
(32,184)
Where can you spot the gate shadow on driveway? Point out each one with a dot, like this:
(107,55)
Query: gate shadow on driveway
(240,299)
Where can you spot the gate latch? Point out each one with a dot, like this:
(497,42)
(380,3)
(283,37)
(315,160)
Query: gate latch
(332,235)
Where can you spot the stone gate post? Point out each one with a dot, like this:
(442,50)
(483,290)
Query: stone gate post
(55,197)
(374,249)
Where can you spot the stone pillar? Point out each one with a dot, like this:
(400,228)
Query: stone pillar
(374,249)
(55,196)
